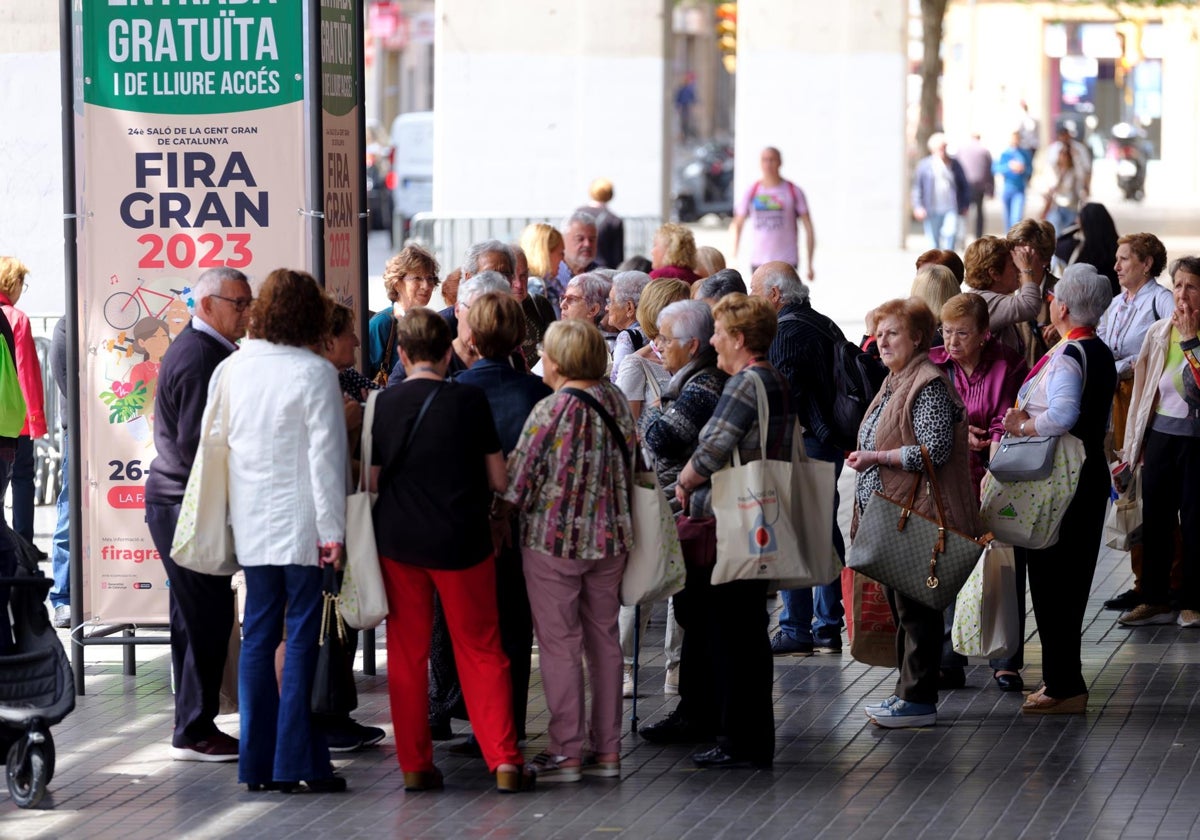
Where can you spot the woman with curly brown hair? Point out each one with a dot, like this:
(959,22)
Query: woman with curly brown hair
(409,278)
(287,506)
(991,271)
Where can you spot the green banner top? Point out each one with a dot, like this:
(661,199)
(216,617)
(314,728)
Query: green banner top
(192,56)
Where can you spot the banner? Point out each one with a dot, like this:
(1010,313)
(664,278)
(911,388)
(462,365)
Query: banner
(192,157)
(343,165)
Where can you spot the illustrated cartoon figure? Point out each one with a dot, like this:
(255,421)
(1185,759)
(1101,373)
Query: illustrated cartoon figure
(151,337)
(177,314)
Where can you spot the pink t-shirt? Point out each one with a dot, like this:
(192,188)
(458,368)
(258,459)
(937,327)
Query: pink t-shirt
(772,213)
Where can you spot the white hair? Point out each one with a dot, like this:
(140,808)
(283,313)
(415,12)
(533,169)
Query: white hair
(690,318)
(481,284)
(783,277)
(629,285)
(209,283)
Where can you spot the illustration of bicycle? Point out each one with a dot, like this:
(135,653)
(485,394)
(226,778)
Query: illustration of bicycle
(124,309)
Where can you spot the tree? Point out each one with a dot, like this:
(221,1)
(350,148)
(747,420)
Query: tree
(933,16)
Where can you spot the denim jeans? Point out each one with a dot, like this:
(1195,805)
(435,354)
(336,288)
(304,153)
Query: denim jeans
(60,549)
(1014,207)
(942,229)
(800,606)
(278,741)
(1061,218)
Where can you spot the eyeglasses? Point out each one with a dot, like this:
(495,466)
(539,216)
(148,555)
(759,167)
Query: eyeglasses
(239,304)
(570,300)
(428,281)
(661,340)
(961,335)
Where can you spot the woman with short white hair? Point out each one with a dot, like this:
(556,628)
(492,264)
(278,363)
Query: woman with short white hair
(622,315)
(1069,391)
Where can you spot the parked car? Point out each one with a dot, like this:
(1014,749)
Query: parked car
(379,177)
(703,182)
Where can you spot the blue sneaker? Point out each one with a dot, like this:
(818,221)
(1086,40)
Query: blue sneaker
(875,707)
(902,715)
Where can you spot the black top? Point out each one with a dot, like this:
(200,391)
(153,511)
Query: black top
(511,393)
(432,509)
(1099,383)
(178,410)
(803,352)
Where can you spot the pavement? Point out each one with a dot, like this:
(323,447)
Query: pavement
(1128,768)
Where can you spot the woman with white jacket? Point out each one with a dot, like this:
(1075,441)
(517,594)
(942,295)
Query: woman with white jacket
(287,502)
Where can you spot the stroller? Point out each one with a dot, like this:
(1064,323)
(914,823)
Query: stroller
(37,689)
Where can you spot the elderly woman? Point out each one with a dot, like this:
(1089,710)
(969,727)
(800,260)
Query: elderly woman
(916,407)
(935,284)
(991,271)
(431,530)
(623,301)
(1163,436)
(670,431)
(544,248)
(571,484)
(1032,244)
(987,375)
(941,256)
(496,326)
(1069,391)
(740,656)
(1140,258)
(642,376)
(287,506)
(673,254)
(409,278)
(29,375)
(641,379)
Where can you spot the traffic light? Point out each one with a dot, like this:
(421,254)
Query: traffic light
(727,34)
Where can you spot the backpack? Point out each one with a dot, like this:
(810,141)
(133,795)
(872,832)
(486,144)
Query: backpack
(856,378)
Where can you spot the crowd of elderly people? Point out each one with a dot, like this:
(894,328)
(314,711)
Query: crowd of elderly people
(512,422)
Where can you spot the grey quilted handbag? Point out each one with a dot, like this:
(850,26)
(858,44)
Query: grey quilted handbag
(1023,458)
(915,555)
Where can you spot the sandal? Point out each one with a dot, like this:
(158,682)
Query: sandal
(551,768)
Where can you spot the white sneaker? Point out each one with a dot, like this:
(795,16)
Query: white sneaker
(627,683)
(1188,618)
(671,682)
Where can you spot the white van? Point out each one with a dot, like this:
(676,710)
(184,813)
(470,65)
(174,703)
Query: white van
(412,168)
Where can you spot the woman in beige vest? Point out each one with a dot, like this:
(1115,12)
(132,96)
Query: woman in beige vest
(915,407)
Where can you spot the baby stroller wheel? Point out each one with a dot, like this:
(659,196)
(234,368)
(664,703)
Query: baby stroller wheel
(48,756)
(27,780)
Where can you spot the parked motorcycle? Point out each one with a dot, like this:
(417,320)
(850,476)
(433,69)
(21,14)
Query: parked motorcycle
(1129,142)
(703,182)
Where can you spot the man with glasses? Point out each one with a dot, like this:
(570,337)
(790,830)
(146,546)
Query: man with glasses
(201,606)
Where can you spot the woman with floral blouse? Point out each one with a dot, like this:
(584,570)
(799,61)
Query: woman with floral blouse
(569,478)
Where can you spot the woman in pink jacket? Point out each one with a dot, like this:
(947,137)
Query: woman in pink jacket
(29,374)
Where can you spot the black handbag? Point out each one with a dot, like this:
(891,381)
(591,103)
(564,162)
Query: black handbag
(911,553)
(333,690)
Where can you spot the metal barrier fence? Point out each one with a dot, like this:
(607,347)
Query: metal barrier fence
(448,237)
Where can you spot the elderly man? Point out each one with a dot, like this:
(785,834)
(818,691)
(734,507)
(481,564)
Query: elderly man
(940,195)
(803,351)
(579,243)
(201,606)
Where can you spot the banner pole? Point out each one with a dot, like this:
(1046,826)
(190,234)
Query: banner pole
(66,58)
(315,199)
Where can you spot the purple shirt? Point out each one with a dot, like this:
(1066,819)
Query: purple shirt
(988,392)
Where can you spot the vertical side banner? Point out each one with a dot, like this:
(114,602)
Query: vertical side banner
(342,151)
(192,157)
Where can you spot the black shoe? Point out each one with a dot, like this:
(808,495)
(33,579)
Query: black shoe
(258,787)
(784,645)
(827,644)
(1127,600)
(952,678)
(717,758)
(343,739)
(1009,682)
(673,729)
(466,749)
(442,731)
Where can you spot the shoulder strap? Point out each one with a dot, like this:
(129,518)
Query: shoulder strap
(412,430)
(590,401)
(364,464)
